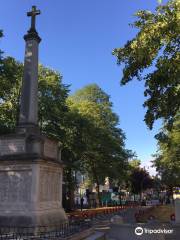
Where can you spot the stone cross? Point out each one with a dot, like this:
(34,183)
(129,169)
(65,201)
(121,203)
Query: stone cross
(33,15)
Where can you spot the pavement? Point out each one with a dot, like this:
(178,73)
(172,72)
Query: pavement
(152,230)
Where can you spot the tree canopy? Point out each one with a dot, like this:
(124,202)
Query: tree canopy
(83,122)
(104,140)
(52,98)
(154,56)
(140,180)
(1,34)
(167,159)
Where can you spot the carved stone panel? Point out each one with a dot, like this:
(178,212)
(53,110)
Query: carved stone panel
(50,185)
(50,149)
(12,146)
(15,186)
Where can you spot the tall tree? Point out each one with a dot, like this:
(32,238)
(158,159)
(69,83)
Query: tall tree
(140,180)
(1,34)
(55,119)
(52,98)
(167,159)
(156,44)
(104,141)
(10,79)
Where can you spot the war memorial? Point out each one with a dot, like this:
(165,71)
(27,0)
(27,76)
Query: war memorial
(31,176)
(30,164)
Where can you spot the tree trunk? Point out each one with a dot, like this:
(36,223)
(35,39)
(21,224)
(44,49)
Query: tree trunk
(98,184)
(99,197)
(70,190)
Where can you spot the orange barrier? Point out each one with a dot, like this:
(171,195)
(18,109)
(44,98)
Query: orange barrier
(92,213)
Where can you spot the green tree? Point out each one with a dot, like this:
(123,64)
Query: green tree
(1,35)
(167,159)
(55,119)
(10,79)
(140,180)
(134,163)
(73,146)
(52,98)
(52,103)
(104,154)
(156,44)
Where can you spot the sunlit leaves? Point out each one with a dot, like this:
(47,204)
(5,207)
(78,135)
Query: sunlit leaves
(167,159)
(104,141)
(154,56)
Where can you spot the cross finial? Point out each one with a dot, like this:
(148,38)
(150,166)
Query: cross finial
(33,14)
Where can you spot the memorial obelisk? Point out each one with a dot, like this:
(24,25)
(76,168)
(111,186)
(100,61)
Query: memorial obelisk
(30,164)
(28,118)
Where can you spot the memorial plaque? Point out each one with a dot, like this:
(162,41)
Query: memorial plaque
(50,180)
(12,146)
(15,186)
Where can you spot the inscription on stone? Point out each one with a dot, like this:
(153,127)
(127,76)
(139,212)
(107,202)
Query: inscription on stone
(49,185)
(12,146)
(50,149)
(15,186)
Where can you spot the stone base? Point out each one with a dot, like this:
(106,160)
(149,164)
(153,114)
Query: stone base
(31,193)
(48,219)
(27,146)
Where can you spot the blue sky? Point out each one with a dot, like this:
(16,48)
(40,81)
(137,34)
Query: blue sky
(78,37)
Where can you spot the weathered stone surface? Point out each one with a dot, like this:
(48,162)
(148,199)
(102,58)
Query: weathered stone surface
(22,145)
(29,100)
(49,188)
(15,186)
(31,193)
(46,218)
(50,148)
(12,146)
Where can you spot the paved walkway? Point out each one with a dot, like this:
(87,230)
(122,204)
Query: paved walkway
(103,223)
(126,231)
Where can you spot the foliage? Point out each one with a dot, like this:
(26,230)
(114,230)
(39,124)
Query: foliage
(55,120)
(156,44)
(134,163)
(52,97)
(85,123)
(1,35)
(167,159)
(52,103)
(10,79)
(103,140)
(140,180)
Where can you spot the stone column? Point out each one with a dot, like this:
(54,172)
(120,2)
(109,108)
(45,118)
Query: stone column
(28,118)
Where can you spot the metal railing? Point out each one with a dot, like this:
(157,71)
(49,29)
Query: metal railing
(77,223)
(57,232)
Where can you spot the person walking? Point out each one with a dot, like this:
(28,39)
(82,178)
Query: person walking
(82,203)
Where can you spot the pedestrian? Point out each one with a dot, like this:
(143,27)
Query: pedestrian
(82,202)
